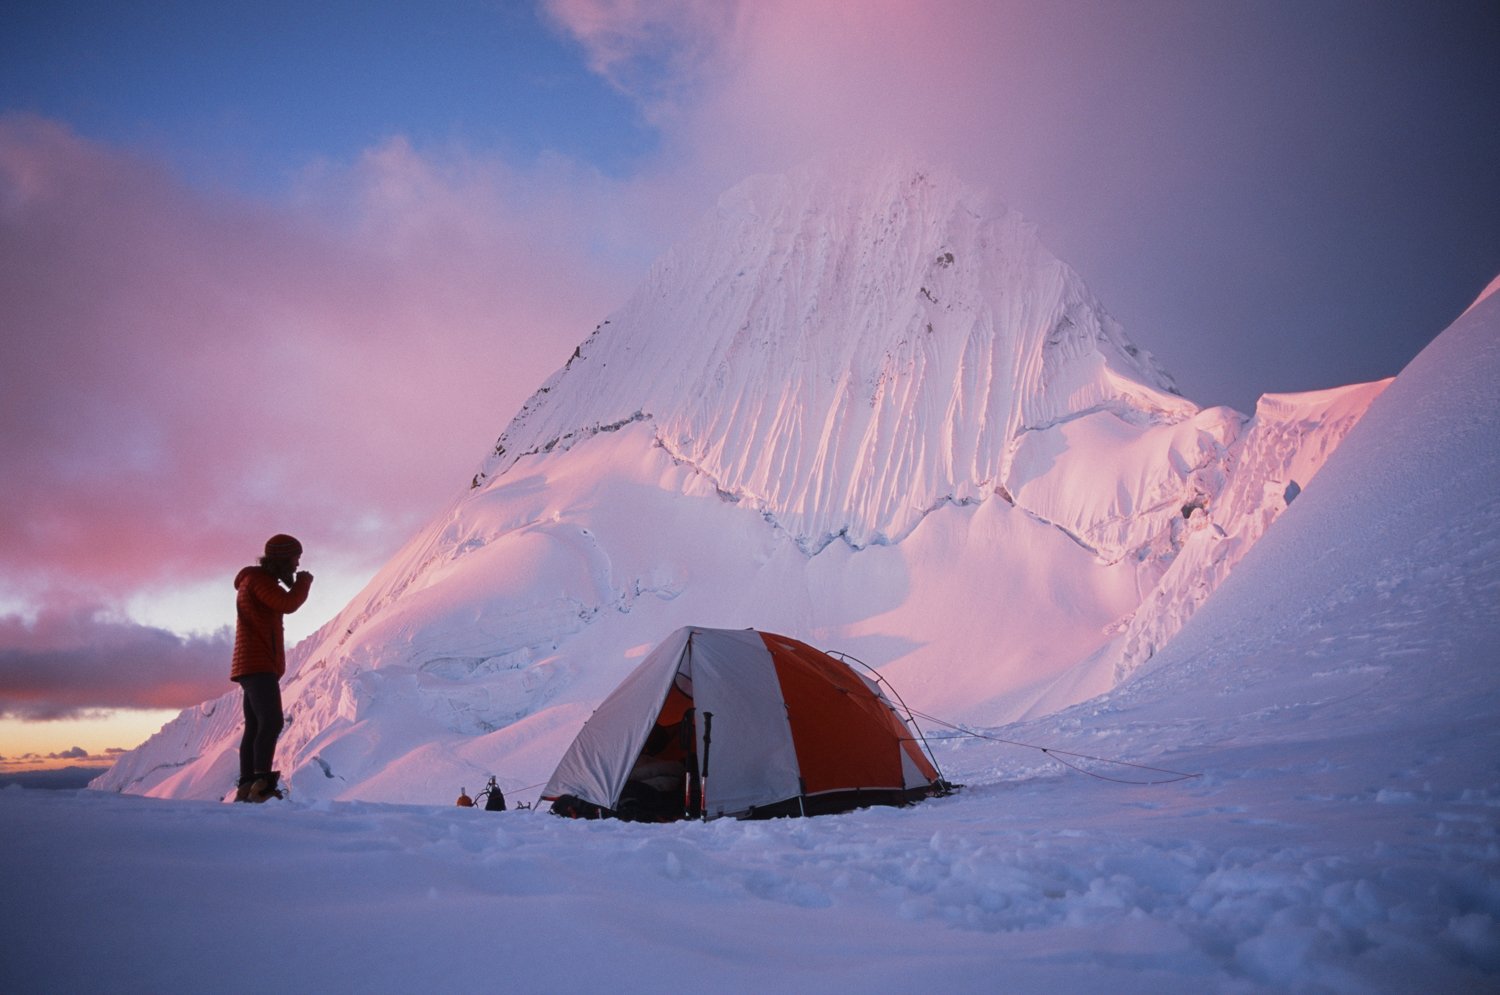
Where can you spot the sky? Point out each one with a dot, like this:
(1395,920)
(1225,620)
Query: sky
(291,267)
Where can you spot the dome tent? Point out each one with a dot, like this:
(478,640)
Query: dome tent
(736,722)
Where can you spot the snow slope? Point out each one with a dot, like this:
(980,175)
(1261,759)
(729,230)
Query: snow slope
(1337,697)
(869,411)
(1281,450)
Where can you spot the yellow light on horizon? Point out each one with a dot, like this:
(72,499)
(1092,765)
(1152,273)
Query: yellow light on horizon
(43,743)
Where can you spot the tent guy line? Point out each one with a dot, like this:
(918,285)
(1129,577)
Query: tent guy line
(1052,752)
(1056,754)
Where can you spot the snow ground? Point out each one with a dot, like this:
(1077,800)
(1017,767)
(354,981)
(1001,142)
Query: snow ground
(1305,864)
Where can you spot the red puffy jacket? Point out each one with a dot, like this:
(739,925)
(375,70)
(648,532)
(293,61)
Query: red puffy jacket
(260,602)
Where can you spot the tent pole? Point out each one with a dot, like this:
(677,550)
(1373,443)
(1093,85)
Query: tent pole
(910,718)
(708,738)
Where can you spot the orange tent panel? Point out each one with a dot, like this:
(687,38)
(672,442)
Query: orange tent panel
(844,735)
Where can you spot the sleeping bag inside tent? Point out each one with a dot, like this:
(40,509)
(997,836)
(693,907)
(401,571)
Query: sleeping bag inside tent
(736,722)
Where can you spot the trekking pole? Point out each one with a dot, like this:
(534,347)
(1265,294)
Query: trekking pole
(708,731)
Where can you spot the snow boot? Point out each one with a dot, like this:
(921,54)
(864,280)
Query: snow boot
(242,790)
(264,787)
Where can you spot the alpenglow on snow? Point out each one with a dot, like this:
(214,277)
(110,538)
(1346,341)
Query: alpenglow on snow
(844,356)
(865,409)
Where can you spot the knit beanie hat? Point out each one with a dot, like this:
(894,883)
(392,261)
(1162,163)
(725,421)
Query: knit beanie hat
(282,547)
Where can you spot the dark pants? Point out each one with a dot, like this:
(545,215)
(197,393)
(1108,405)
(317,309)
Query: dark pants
(263,722)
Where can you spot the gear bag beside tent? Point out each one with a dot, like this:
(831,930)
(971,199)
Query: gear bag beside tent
(736,722)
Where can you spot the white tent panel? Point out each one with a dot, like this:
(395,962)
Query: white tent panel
(596,765)
(911,775)
(751,758)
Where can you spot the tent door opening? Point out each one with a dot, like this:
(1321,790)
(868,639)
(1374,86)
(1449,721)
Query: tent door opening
(664,784)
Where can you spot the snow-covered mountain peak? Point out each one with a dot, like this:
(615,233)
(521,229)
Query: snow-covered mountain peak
(866,409)
(844,351)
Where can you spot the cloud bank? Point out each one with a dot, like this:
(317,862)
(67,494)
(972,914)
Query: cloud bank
(184,373)
(70,662)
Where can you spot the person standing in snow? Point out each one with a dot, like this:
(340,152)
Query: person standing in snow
(264,594)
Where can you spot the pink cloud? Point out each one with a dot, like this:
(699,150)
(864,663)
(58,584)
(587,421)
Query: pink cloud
(785,79)
(75,661)
(654,50)
(184,373)
(1023,96)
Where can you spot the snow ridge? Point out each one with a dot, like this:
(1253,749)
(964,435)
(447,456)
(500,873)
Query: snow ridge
(1286,445)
